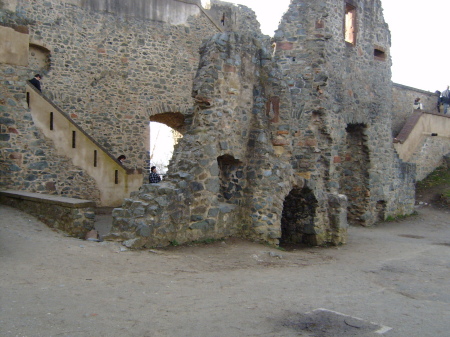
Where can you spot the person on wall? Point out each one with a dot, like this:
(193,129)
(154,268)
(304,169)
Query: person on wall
(36,81)
(438,103)
(417,105)
(445,98)
(121,158)
(154,177)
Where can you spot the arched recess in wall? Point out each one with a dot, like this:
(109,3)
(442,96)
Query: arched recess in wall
(164,132)
(298,218)
(354,174)
(38,58)
(232,182)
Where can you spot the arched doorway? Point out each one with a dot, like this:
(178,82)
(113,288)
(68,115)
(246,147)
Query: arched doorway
(297,220)
(164,133)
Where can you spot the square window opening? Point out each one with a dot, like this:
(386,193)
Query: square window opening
(379,54)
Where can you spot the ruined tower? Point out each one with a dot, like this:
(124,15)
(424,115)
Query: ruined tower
(289,139)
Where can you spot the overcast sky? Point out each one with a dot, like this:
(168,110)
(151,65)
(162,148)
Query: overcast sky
(420,33)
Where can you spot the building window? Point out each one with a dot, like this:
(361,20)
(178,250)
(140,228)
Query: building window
(51,120)
(379,54)
(350,24)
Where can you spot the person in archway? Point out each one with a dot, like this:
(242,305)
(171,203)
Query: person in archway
(153,177)
(36,81)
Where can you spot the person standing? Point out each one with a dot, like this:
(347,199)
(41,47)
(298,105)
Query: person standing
(445,98)
(153,177)
(36,81)
(438,103)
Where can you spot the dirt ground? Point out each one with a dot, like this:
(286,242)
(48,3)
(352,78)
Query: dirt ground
(391,279)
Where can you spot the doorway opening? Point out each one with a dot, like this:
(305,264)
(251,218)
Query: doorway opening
(354,180)
(297,219)
(164,133)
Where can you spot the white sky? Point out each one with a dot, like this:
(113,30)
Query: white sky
(420,33)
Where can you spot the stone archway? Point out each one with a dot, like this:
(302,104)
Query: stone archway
(168,122)
(298,218)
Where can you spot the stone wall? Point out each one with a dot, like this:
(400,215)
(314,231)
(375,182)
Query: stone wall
(73,216)
(431,155)
(110,69)
(305,137)
(280,145)
(403,99)
(337,87)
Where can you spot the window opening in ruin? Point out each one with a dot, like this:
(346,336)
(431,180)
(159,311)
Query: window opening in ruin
(51,120)
(379,54)
(164,134)
(95,158)
(74,139)
(222,21)
(28,99)
(116,177)
(297,219)
(350,24)
(231,176)
(354,174)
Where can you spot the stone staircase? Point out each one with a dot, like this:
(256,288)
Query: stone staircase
(115,182)
(424,140)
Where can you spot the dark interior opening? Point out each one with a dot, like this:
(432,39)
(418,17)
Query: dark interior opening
(379,54)
(231,179)
(297,220)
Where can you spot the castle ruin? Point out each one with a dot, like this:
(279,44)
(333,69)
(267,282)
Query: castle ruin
(286,140)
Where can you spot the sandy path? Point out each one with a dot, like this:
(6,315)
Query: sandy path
(395,274)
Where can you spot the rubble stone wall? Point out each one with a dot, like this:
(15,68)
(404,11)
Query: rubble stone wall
(431,155)
(271,127)
(110,71)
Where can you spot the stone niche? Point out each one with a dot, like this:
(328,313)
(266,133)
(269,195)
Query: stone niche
(14,42)
(39,58)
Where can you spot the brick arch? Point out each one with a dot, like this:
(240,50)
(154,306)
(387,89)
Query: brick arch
(175,120)
(172,115)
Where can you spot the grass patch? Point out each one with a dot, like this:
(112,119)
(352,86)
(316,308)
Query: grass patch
(206,241)
(399,217)
(440,176)
(174,243)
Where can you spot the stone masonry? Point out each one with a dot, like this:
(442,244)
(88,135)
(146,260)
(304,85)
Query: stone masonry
(286,140)
(304,138)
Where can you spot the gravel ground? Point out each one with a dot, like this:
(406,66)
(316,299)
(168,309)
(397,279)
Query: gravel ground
(391,280)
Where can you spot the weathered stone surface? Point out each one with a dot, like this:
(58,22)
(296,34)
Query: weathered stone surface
(275,130)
